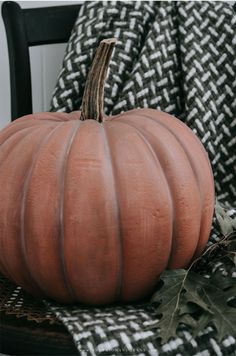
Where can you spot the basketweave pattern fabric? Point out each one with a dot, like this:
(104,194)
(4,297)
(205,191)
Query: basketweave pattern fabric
(178,57)
(127,329)
(120,330)
(207,43)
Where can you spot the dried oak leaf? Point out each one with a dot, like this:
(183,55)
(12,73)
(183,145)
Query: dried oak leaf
(187,297)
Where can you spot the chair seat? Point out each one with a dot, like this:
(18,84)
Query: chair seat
(20,336)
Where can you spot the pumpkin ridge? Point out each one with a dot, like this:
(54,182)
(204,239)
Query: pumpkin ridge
(195,171)
(154,155)
(10,139)
(17,123)
(4,264)
(189,130)
(169,184)
(11,135)
(198,142)
(119,286)
(25,122)
(25,190)
(61,213)
(48,115)
(158,122)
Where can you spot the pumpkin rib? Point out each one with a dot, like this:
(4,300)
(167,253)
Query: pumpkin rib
(154,155)
(91,228)
(52,116)
(201,240)
(15,124)
(24,122)
(61,209)
(153,266)
(64,120)
(187,129)
(12,134)
(174,242)
(110,160)
(192,166)
(3,261)
(43,204)
(23,205)
(202,191)
(14,140)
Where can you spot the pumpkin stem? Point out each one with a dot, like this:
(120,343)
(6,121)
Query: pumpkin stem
(92,102)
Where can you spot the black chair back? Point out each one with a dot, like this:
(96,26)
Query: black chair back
(31,27)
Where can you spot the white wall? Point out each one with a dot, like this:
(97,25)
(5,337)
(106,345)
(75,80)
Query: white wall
(45,65)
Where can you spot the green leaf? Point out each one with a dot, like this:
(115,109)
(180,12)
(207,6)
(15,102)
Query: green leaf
(189,320)
(215,293)
(190,298)
(224,316)
(192,286)
(187,297)
(173,281)
(202,323)
(190,308)
(169,297)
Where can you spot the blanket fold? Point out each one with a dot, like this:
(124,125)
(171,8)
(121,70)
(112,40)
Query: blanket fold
(178,57)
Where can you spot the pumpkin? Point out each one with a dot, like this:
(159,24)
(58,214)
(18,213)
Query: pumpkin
(94,208)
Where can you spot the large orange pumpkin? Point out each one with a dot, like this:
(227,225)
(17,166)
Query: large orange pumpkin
(94,208)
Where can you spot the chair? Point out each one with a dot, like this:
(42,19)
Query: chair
(26,28)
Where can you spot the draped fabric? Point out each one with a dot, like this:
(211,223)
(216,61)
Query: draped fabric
(178,57)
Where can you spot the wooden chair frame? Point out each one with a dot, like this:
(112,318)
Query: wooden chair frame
(26,28)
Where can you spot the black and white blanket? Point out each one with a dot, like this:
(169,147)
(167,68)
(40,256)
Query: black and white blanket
(178,57)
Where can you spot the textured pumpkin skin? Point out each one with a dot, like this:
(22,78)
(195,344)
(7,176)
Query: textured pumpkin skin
(95,212)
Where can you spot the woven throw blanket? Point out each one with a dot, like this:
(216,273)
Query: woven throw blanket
(178,57)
